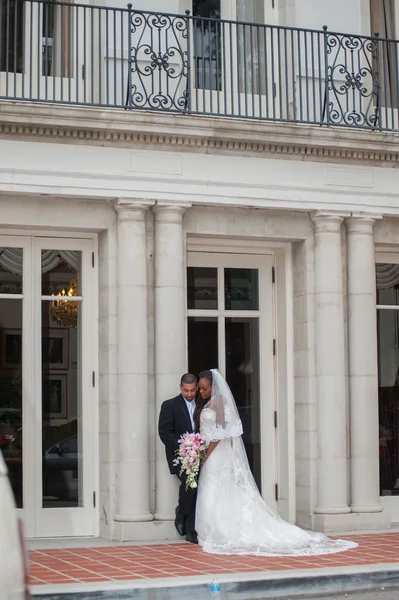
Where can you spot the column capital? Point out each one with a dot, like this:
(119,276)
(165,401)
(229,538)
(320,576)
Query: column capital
(166,212)
(132,210)
(361,223)
(328,221)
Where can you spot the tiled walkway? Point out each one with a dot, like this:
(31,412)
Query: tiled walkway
(119,563)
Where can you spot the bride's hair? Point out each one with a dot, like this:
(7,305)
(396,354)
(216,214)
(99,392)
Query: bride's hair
(199,402)
(206,375)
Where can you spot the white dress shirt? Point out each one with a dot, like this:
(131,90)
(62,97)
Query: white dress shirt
(191,409)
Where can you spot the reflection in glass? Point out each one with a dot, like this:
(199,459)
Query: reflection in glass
(387,277)
(388,401)
(242,374)
(251,40)
(241,289)
(11,392)
(202,344)
(61,411)
(202,288)
(11,270)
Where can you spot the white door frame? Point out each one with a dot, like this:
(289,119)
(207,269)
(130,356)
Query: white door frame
(265,316)
(284,363)
(28,459)
(389,256)
(75,521)
(49,522)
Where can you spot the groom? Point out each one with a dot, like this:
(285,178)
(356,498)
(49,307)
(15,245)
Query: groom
(177,417)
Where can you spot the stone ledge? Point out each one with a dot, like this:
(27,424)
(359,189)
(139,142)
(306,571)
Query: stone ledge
(246,586)
(202,134)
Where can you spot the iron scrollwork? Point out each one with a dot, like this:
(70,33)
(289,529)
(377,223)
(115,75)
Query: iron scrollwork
(353,80)
(159,61)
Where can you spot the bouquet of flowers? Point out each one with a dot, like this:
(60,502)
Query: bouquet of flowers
(192,449)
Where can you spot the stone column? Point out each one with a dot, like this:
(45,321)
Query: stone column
(170,336)
(363,369)
(330,370)
(133,472)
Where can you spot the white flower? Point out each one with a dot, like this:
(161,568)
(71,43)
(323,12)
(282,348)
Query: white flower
(194,484)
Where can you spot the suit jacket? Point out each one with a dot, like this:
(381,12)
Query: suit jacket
(174,420)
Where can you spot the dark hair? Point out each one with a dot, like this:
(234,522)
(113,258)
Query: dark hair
(188,378)
(206,375)
(199,402)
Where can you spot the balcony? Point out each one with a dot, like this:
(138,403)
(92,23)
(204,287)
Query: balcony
(77,54)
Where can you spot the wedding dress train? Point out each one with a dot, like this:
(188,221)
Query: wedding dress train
(231,515)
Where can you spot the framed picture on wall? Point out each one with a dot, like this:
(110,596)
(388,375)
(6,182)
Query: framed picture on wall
(11,348)
(55,348)
(54,394)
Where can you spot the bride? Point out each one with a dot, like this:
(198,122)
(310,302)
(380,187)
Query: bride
(231,516)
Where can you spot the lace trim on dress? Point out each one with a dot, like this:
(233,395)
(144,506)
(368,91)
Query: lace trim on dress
(218,432)
(328,547)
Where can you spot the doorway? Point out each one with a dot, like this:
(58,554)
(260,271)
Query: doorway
(230,325)
(47,398)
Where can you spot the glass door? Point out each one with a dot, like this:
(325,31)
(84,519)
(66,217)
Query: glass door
(387,280)
(61,30)
(16,397)
(230,327)
(64,360)
(46,387)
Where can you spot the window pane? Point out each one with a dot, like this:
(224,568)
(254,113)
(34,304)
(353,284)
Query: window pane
(61,409)
(242,374)
(202,288)
(241,289)
(251,47)
(11,392)
(61,273)
(202,344)
(206,8)
(388,400)
(11,270)
(208,44)
(11,36)
(387,279)
(57,40)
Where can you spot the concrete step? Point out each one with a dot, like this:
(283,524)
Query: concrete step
(245,586)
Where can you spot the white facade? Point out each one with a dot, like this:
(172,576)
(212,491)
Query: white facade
(143,196)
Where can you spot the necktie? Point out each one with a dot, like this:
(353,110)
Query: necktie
(191,412)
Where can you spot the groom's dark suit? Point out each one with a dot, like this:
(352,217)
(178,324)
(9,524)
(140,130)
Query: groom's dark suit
(174,420)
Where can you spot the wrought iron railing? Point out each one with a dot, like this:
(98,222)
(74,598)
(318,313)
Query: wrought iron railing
(102,56)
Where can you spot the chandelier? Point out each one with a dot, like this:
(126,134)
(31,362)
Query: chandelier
(63,311)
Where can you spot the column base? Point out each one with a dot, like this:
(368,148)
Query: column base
(332,510)
(134,518)
(154,531)
(373,508)
(351,522)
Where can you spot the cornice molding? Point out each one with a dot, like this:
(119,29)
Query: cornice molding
(208,135)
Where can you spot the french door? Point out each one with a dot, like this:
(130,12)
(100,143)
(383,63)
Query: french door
(387,293)
(234,63)
(47,401)
(42,50)
(231,327)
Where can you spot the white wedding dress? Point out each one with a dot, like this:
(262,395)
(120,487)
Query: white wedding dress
(231,515)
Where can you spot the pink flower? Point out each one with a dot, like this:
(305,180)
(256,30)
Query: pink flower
(192,449)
